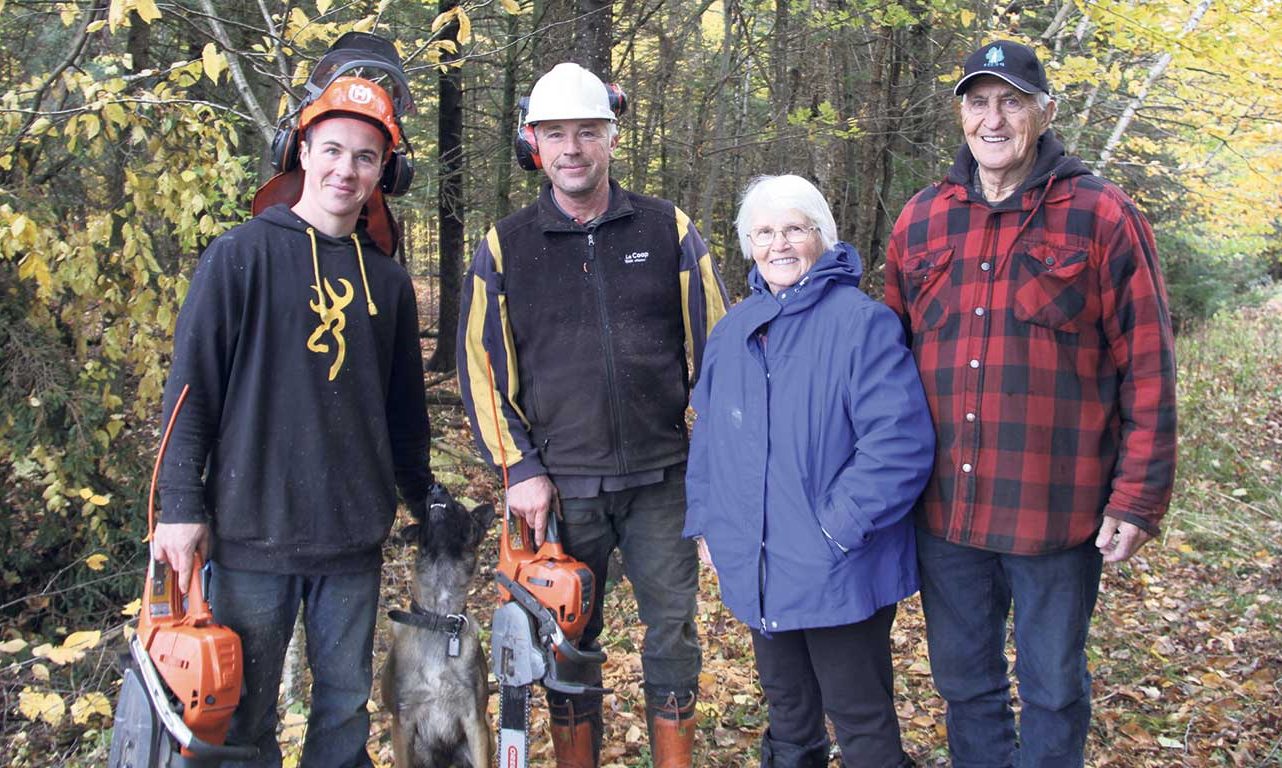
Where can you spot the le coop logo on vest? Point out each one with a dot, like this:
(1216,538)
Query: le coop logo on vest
(639,257)
(359,94)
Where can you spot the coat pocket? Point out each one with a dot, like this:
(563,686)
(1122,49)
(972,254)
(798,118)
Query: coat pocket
(1054,287)
(925,282)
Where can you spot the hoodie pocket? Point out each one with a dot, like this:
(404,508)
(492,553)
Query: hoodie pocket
(1054,287)
(924,287)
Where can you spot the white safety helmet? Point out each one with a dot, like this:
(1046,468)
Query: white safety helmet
(569,92)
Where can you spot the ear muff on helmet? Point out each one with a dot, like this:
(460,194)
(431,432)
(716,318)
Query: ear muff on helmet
(618,99)
(398,172)
(285,145)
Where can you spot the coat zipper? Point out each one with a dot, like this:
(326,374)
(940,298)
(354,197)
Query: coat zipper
(616,410)
(761,553)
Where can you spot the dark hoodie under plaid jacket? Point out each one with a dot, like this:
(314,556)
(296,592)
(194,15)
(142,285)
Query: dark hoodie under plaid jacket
(1041,329)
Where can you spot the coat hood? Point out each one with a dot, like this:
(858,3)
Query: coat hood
(840,264)
(1051,160)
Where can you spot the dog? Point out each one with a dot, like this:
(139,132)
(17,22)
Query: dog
(434,681)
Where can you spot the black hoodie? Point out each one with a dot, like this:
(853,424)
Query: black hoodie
(306,406)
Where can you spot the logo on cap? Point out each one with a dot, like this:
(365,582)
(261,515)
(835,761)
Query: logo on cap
(995,57)
(360,94)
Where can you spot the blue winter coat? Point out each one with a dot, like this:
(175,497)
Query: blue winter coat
(809,452)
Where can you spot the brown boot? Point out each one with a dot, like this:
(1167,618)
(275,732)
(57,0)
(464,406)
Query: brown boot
(576,735)
(672,726)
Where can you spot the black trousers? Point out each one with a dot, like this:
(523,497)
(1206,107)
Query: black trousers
(844,672)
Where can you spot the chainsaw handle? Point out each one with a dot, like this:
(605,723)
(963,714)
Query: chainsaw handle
(198,612)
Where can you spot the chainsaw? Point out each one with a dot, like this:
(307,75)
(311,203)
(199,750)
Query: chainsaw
(534,634)
(182,674)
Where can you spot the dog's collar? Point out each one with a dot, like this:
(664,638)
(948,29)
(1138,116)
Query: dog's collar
(417,616)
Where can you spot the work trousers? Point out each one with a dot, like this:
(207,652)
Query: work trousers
(644,524)
(966,596)
(338,617)
(843,671)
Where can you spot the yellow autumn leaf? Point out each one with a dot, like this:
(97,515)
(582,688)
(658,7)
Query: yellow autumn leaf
(71,650)
(99,500)
(511,6)
(147,10)
(132,608)
(323,6)
(40,672)
(13,646)
(85,493)
(443,19)
(114,112)
(464,27)
(39,705)
(87,706)
(116,13)
(213,61)
(96,562)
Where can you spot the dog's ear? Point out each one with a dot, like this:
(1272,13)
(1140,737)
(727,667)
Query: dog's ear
(484,517)
(409,534)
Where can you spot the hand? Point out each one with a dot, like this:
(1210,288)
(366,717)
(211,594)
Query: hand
(705,555)
(531,499)
(1117,540)
(175,543)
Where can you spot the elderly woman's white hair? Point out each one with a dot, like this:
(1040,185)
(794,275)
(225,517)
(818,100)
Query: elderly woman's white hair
(782,193)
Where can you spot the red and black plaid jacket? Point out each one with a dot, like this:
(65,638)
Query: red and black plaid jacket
(1041,329)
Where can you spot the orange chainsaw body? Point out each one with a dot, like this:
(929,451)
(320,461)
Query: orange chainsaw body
(561,583)
(199,660)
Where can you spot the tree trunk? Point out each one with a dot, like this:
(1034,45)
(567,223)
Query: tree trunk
(450,202)
(594,29)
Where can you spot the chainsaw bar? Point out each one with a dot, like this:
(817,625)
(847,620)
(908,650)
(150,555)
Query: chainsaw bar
(514,726)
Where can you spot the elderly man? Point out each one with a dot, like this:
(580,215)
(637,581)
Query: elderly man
(1038,317)
(583,305)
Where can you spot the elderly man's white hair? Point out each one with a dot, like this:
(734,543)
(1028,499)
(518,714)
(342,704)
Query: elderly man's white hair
(784,193)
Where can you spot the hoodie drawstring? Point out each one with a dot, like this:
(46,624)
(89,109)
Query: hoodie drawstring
(320,293)
(360,259)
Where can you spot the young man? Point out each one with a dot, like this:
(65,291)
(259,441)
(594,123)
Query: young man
(584,304)
(305,410)
(1037,315)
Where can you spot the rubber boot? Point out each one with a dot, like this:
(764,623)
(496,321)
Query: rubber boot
(576,733)
(671,722)
(782,754)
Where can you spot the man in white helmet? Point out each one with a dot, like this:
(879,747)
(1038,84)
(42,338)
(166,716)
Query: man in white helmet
(584,305)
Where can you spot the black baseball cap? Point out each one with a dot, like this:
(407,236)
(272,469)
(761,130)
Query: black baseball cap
(1012,62)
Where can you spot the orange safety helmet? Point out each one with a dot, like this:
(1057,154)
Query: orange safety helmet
(356,96)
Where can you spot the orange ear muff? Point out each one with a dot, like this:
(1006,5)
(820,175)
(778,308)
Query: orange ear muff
(527,148)
(618,99)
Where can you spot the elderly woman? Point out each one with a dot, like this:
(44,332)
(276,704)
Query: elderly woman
(812,443)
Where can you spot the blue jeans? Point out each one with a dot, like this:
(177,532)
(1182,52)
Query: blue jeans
(966,596)
(338,616)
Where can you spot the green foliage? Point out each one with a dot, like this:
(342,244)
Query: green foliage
(104,203)
(1228,492)
(1206,275)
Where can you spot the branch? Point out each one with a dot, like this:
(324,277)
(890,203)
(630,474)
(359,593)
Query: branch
(82,36)
(1155,73)
(265,126)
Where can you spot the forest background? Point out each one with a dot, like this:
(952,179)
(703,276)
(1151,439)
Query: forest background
(132,132)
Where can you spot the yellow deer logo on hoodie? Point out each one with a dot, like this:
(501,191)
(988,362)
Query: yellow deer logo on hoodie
(333,320)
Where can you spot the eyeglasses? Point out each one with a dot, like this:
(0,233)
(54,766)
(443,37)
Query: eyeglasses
(792,233)
(979,105)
